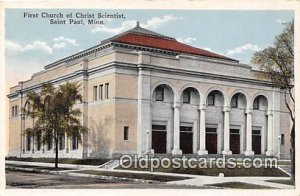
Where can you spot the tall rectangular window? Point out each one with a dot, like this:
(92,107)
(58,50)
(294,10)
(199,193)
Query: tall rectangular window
(13,111)
(62,142)
(49,140)
(106,90)
(16,111)
(38,140)
(126,132)
(159,94)
(282,139)
(101,91)
(74,141)
(28,142)
(95,93)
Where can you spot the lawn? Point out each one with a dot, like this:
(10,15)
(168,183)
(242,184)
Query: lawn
(161,178)
(214,171)
(62,160)
(239,185)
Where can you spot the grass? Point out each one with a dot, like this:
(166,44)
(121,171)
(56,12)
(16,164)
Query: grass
(62,160)
(239,185)
(214,171)
(287,182)
(161,178)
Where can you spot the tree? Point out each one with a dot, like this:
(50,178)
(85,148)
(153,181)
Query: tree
(53,109)
(277,65)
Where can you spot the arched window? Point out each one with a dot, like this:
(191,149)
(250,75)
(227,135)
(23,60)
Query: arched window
(27,108)
(159,93)
(256,103)
(211,99)
(186,96)
(234,101)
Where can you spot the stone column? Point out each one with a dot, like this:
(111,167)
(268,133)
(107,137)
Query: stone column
(202,137)
(226,149)
(249,151)
(66,143)
(22,125)
(33,138)
(270,134)
(85,108)
(144,101)
(176,148)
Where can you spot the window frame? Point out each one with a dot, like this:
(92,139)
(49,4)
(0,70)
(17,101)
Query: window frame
(234,100)
(256,101)
(162,90)
(49,142)
(188,129)
(62,143)
(126,133)
(282,139)
(13,111)
(213,97)
(106,90)
(28,142)
(211,130)
(188,93)
(101,91)
(16,111)
(158,127)
(74,147)
(38,140)
(95,93)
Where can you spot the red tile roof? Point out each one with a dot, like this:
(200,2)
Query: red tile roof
(165,44)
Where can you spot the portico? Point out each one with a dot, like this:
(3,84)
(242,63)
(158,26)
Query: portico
(220,113)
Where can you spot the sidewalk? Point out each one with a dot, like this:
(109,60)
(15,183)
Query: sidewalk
(61,165)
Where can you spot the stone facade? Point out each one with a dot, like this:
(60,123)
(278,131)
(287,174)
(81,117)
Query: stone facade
(201,97)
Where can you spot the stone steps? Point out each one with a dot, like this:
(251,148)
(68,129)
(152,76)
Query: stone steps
(169,155)
(111,164)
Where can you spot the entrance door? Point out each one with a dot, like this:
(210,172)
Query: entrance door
(235,141)
(159,138)
(211,140)
(186,139)
(256,141)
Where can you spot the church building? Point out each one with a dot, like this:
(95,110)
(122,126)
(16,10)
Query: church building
(147,93)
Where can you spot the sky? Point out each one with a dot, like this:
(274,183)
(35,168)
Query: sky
(31,43)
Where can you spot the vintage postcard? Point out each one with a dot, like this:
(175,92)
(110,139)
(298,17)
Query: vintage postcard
(146,97)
